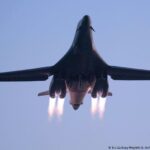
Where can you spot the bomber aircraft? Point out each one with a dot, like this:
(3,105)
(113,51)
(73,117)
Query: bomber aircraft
(80,71)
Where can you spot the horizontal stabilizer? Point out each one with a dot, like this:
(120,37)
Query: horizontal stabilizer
(45,93)
(109,94)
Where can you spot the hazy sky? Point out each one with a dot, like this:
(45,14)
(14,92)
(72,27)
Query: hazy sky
(36,33)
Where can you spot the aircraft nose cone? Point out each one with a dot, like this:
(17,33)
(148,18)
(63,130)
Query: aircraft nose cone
(76,106)
(86,17)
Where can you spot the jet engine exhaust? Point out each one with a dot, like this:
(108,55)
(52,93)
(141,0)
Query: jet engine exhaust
(94,102)
(101,106)
(60,106)
(51,106)
(98,106)
(56,106)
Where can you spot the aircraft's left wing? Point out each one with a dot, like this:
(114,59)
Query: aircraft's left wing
(122,73)
(37,74)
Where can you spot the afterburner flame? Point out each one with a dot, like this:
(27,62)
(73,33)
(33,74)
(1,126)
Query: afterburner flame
(98,106)
(101,106)
(56,106)
(60,106)
(51,106)
(94,102)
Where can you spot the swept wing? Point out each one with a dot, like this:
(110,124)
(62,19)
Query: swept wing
(37,74)
(123,73)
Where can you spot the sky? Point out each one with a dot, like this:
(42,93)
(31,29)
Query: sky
(35,33)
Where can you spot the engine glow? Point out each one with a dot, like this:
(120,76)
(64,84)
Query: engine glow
(51,106)
(60,106)
(98,106)
(94,108)
(101,106)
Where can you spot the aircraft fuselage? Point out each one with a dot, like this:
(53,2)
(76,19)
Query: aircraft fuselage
(81,70)
(78,67)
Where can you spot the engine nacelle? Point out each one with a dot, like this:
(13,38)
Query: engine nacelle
(100,88)
(57,86)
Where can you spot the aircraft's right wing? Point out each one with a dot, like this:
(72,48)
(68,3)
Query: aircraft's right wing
(122,73)
(37,74)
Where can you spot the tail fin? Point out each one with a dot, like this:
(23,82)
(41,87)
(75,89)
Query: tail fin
(45,93)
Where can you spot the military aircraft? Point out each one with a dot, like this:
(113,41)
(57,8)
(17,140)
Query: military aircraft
(80,71)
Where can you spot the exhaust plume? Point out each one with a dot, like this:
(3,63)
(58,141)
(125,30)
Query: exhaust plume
(60,106)
(94,102)
(56,106)
(51,106)
(98,106)
(101,106)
